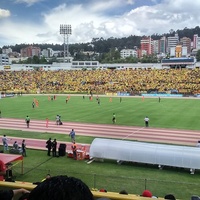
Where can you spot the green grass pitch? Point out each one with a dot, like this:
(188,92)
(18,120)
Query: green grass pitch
(169,113)
(180,113)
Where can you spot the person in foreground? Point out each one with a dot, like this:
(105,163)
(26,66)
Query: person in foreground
(61,188)
(10,194)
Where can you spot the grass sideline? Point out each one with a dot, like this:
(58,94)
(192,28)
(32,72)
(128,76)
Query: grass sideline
(169,113)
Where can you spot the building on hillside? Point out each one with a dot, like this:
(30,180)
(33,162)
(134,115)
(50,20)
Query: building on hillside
(57,53)
(4,59)
(186,42)
(172,52)
(178,51)
(184,52)
(47,53)
(156,47)
(87,53)
(14,54)
(6,51)
(196,42)
(195,39)
(124,53)
(141,53)
(16,60)
(30,51)
(172,42)
(36,51)
(163,45)
(146,45)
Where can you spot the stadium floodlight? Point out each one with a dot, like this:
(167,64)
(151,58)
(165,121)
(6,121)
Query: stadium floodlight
(66,30)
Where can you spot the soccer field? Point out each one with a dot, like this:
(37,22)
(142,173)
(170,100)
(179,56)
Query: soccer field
(180,113)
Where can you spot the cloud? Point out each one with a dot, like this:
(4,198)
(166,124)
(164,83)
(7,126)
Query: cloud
(4,13)
(86,23)
(164,16)
(90,21)
(28,2)
(100,19)
(130,2)
(104,5)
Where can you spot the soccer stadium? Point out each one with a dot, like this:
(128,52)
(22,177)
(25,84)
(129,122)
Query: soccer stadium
(113,157)
(99,100)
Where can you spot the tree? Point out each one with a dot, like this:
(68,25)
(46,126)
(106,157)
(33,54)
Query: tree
(35,60)
(43,60)
(131,59)
(28,61)
(149,59)
(198,55)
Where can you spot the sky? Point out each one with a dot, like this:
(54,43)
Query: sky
(38,21)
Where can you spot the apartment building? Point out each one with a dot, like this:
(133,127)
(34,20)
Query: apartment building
(6,51)
(4,59)
(186,42)
(172,42)
(156,46)
(146,45)
(163,45)
(30,51)
(196,42)
(124,53)
(47,53)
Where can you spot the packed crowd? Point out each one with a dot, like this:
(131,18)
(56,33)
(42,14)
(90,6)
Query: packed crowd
(185,81)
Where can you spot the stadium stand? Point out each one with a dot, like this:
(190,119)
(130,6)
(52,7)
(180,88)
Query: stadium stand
(102,81)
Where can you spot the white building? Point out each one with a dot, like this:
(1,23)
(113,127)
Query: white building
(183,52)
(143,52)
(172,41)
(155,44)
(6,51)
(47,53)
(128,52)
(172,51)
(4,59)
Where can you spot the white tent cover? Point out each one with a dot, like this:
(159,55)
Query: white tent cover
(142,152)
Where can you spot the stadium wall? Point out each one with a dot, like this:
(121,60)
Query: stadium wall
(80,65)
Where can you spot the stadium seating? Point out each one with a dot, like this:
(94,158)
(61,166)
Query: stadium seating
(102,81)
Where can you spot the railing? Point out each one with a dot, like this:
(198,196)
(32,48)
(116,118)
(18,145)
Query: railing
(114,184)
(97,194)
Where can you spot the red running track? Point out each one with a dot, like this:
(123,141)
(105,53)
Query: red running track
(171,136)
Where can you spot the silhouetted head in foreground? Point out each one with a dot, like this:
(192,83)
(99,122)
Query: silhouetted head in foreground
(61,188)
(170,196)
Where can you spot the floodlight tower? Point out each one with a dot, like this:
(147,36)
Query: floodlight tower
(66,30)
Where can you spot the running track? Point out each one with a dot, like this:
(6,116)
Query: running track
(171,136)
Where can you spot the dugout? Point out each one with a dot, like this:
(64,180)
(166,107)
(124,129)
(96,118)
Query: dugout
(143,152)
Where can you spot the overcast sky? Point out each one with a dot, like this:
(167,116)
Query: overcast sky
(38,21)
